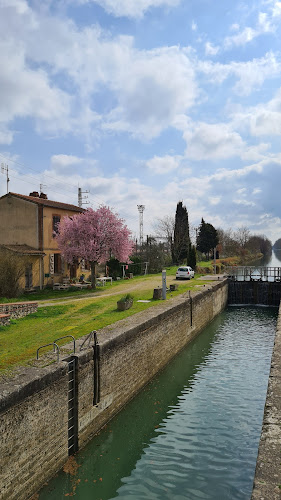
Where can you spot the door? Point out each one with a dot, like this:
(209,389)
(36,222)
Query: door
(28,276)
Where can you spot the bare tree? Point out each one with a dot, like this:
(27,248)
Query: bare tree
(242,236)
(164,229)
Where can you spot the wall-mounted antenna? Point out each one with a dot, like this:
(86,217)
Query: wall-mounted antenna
(81,198)
(5,170)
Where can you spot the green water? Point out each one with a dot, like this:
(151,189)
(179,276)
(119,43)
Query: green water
(193,432)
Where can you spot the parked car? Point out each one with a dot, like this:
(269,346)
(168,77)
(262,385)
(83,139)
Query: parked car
(184,272)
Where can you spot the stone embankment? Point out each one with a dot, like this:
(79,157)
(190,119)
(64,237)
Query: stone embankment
(267,482)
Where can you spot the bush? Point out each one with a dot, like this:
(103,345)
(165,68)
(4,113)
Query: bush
(126,297)
(12,268)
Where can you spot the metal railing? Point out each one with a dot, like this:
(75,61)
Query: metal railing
(55,346)
(65,337)
(253,273)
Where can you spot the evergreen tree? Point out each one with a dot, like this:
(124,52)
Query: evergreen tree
(207,238)
(192,257)
(181,243)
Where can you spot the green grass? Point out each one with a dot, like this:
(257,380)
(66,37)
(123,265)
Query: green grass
(20,340)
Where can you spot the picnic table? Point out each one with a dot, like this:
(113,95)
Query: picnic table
(104,279)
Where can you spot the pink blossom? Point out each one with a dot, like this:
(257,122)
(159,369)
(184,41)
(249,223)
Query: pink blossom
(94,235)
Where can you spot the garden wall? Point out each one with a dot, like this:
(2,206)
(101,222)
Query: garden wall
(34,405)
(18,309)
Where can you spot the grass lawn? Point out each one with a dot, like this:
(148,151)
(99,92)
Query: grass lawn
(20,340)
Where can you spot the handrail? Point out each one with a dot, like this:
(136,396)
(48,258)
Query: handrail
(254,273)
(89,338)
(46,345)
(66,336)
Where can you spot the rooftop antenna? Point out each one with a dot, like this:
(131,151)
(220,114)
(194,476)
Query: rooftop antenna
(81,198)
(141,210)
(42,186)
(5,170)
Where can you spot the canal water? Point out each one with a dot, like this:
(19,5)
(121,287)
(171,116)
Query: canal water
(193,432)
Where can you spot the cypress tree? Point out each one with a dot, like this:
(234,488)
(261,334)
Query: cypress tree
(181,241)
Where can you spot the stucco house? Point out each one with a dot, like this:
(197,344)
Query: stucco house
(27,227)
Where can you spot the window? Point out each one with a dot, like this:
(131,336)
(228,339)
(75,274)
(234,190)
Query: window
(57,263)
(56,221)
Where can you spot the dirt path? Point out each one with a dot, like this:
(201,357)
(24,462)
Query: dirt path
(126,287)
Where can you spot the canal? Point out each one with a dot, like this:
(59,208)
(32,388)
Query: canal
(193,432)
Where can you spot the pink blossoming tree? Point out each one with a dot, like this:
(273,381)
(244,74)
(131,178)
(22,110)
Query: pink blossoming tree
(94,236)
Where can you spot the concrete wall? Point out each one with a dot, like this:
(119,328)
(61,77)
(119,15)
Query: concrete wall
(267,482)
(34,406)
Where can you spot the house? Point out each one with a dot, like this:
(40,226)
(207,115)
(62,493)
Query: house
(27,228)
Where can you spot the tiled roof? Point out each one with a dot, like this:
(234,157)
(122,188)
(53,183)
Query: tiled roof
(23,249)
(47,203)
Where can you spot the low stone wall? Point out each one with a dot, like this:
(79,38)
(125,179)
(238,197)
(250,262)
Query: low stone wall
(267,482)
(4,319)
(34,405)
(18,309)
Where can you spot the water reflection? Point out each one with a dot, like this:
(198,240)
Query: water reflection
(273,260)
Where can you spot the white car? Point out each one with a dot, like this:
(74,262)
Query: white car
(184,272)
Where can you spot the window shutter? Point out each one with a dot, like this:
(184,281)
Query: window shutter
(52,263)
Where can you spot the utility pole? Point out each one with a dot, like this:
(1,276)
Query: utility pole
(5,170)
(81,198)
(141,210)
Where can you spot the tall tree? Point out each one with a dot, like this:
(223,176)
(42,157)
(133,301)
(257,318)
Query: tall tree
(95,236)
(207,238)
(181,241)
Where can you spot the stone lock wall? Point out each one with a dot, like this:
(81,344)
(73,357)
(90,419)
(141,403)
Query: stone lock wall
(34,406)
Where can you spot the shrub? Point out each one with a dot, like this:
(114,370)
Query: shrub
(12,268)
(126,297)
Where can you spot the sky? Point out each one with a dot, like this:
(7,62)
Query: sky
(145,102)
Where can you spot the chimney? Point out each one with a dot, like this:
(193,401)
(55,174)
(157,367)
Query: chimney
(43,196)
(34,194)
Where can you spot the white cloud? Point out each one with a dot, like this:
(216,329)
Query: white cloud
(131,8)
(276,9)
(264,25)
(73,164)
(264,119)
(6,136)
(210,49)
(28,93)
(64,161)
(152,90)
(147,88)
(250,74)
(214,200)
(212,141)
(164,164)
(194,26)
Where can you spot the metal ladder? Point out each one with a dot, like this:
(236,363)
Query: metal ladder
(72,407)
